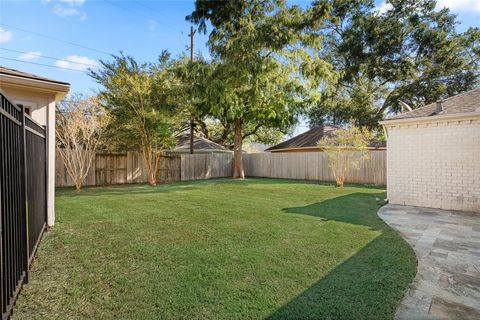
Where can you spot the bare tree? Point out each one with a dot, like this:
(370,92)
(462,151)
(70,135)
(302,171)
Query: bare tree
(346,149)
(80,125)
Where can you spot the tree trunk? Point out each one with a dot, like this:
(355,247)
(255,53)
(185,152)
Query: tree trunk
(151,179)
(149,157)
(237,151)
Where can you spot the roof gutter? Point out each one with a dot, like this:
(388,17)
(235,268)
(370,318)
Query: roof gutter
(313,149)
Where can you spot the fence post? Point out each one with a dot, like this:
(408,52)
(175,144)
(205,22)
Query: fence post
(2,274)
(23,196)
(46,174)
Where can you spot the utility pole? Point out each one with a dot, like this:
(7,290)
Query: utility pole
(192,125)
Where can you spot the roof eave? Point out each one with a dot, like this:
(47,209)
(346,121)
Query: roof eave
(313,149)
(60,89)
(435,118)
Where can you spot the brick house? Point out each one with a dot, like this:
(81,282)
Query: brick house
(433,154)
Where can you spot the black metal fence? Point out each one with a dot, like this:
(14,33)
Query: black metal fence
(23,197)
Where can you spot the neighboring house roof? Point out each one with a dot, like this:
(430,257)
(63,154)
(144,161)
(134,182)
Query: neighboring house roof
(465,102)
(306,139)
(199,145)
(309,140)
(21,74)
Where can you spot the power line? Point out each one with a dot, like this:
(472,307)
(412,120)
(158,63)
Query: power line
(148,7)
(144,5)
(56,39)
(128,10)
(48,57)
(42,64)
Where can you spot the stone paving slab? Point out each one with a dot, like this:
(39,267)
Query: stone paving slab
(447,245)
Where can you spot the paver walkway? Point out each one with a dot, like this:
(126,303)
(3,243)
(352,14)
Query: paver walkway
(447,245)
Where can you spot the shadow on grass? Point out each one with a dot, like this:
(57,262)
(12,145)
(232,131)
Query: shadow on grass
(371,283)
(355,208)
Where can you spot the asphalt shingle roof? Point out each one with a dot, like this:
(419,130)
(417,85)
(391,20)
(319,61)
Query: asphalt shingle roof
(310,139)
(468,101)
(199,143)
(306,139)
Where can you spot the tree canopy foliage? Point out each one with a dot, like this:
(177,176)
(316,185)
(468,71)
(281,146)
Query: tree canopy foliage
(143,106)
(264,75)
(410,53)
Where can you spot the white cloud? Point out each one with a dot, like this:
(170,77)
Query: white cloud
(152,25)
(454,5)
(68,8)
(66,12)
(77,63)
(5,35)
(31,55)
(74,2)
(384,7)
(70,2)
(69,12)
(459,5)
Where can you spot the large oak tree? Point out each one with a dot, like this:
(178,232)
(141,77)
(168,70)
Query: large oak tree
(264,74)
(411,53)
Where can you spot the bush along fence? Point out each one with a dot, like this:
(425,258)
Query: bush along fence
(129,167)
(23,198)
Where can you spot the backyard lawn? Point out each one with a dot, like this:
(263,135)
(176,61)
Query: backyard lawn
(219,249)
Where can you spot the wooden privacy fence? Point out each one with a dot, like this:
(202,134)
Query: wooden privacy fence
(129,167)
(120,168)
(313,166)
(206,166)
(23,198)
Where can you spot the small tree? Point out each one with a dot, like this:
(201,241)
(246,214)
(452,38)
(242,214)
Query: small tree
(139,99)
(345,150)
(79,130)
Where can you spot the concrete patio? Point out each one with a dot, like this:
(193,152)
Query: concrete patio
(447,245)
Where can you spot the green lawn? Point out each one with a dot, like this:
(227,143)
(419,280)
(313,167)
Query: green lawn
(219,249)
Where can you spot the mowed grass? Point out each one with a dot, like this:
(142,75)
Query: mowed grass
(219,249)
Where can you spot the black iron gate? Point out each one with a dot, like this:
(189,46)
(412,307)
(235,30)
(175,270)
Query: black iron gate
(23,197)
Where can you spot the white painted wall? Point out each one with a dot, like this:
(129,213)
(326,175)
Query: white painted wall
(43,111)
(435,164)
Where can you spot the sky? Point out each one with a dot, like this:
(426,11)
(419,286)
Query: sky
(68,36)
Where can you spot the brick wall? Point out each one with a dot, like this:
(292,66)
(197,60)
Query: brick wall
(435,164)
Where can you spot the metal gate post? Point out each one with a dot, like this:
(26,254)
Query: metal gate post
(23,173)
